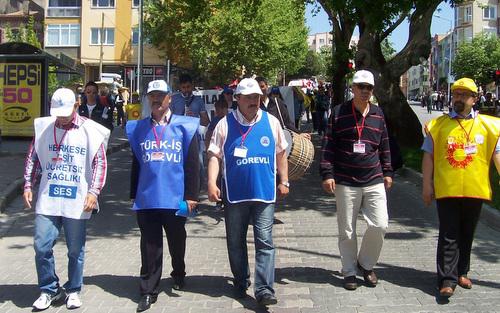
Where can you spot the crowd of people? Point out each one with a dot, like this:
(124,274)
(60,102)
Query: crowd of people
(247,173)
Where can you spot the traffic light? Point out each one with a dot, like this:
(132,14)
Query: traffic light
(497,77)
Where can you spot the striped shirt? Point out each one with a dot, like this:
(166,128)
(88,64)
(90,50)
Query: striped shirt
(32,168)
(340,162)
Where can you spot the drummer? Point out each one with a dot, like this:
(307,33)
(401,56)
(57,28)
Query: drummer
(276,107)
(252,147)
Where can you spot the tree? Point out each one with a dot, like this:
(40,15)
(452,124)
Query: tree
(26,33)
(223,39)
(376,20)
(477,58)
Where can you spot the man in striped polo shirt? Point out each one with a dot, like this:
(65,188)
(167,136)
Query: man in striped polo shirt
(356,166)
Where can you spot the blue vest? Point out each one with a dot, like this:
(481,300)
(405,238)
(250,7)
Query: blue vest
(252,178)
(161,169)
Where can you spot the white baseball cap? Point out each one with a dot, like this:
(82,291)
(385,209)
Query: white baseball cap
(248,86)
(62,102)
(158,85)
(363,77)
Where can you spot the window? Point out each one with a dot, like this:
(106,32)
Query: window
(491,31)
(65,3)
(135,3)
(468,14)
(109,36)
(103,3)
(463,15)
(135,35)
(60,35)
(321,41)
(489,12)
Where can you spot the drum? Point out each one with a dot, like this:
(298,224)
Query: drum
(300,154)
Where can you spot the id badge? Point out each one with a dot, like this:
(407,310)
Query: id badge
(240,152)
(470,149)
(359,147)
(157,156)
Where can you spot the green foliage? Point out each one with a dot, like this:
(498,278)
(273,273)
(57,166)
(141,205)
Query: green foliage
(387,49)
(477,58)
(220,38)
(26,33)
(494,179)
(315,64)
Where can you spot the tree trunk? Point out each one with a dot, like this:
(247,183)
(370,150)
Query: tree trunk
(401,121)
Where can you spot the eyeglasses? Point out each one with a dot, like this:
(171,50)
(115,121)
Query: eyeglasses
(364,86)
(461,94)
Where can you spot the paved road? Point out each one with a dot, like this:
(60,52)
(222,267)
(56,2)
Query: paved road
(307,258)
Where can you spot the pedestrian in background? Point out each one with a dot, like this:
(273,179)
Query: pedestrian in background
(165,173)
(186,103)
(458,150)
(93,108)
(69,153)
(356,166)
(252,146)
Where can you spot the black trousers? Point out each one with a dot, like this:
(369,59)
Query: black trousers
(458,219)
(151,224)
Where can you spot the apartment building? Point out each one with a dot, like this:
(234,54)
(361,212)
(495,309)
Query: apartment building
(441,54)
(473,17)
(75,28)
(319,40)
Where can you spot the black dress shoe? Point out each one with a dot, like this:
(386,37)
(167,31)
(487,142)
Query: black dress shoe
(239,293)
(145,302)
(267,299)
(178,283)
(350,283)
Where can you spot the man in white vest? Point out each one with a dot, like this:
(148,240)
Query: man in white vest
(68,155)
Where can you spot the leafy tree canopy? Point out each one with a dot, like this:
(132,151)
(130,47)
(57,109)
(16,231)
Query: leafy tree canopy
(477,58)
(224,39)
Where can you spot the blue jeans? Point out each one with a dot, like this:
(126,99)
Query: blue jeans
(237,218)
(47,230)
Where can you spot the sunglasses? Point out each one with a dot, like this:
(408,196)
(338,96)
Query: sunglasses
(364,86)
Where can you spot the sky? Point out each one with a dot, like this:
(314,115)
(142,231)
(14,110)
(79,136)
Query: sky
(440,25)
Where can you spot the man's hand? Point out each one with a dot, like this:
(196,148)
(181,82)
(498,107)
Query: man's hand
(90,202)
(191,205)
(213,193)
(28,198)
(427,194)
(387,182)
(282,191)
(329,185)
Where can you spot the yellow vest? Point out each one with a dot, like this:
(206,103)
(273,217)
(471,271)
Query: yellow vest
(457,174)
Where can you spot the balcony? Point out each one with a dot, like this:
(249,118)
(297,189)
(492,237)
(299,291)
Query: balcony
(63,12)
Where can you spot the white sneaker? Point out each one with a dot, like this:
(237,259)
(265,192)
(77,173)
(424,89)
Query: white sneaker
(45,300)
(73,301)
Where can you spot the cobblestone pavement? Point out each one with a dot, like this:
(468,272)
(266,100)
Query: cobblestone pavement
(307,258)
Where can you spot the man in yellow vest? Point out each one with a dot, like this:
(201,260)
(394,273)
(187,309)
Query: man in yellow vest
(458,149)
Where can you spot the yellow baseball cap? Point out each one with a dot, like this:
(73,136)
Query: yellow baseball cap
(464,83)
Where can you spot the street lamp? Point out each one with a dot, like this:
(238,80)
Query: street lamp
(449,55)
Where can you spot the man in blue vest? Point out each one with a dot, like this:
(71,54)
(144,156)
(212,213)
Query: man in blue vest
(165,173)
(251,145)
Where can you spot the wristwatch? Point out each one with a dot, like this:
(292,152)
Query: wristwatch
(285,183)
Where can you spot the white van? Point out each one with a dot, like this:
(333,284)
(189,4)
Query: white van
(109,77)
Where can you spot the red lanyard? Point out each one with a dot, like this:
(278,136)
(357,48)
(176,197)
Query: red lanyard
(467,134)
(159,138)
(58,145)
(244,135)
(359,129)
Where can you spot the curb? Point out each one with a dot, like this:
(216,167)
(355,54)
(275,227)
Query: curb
(489,215)
(16,187)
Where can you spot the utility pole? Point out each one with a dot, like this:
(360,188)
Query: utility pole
(141,50)
(101,54)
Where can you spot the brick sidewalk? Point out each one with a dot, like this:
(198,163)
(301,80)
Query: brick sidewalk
(307,259)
